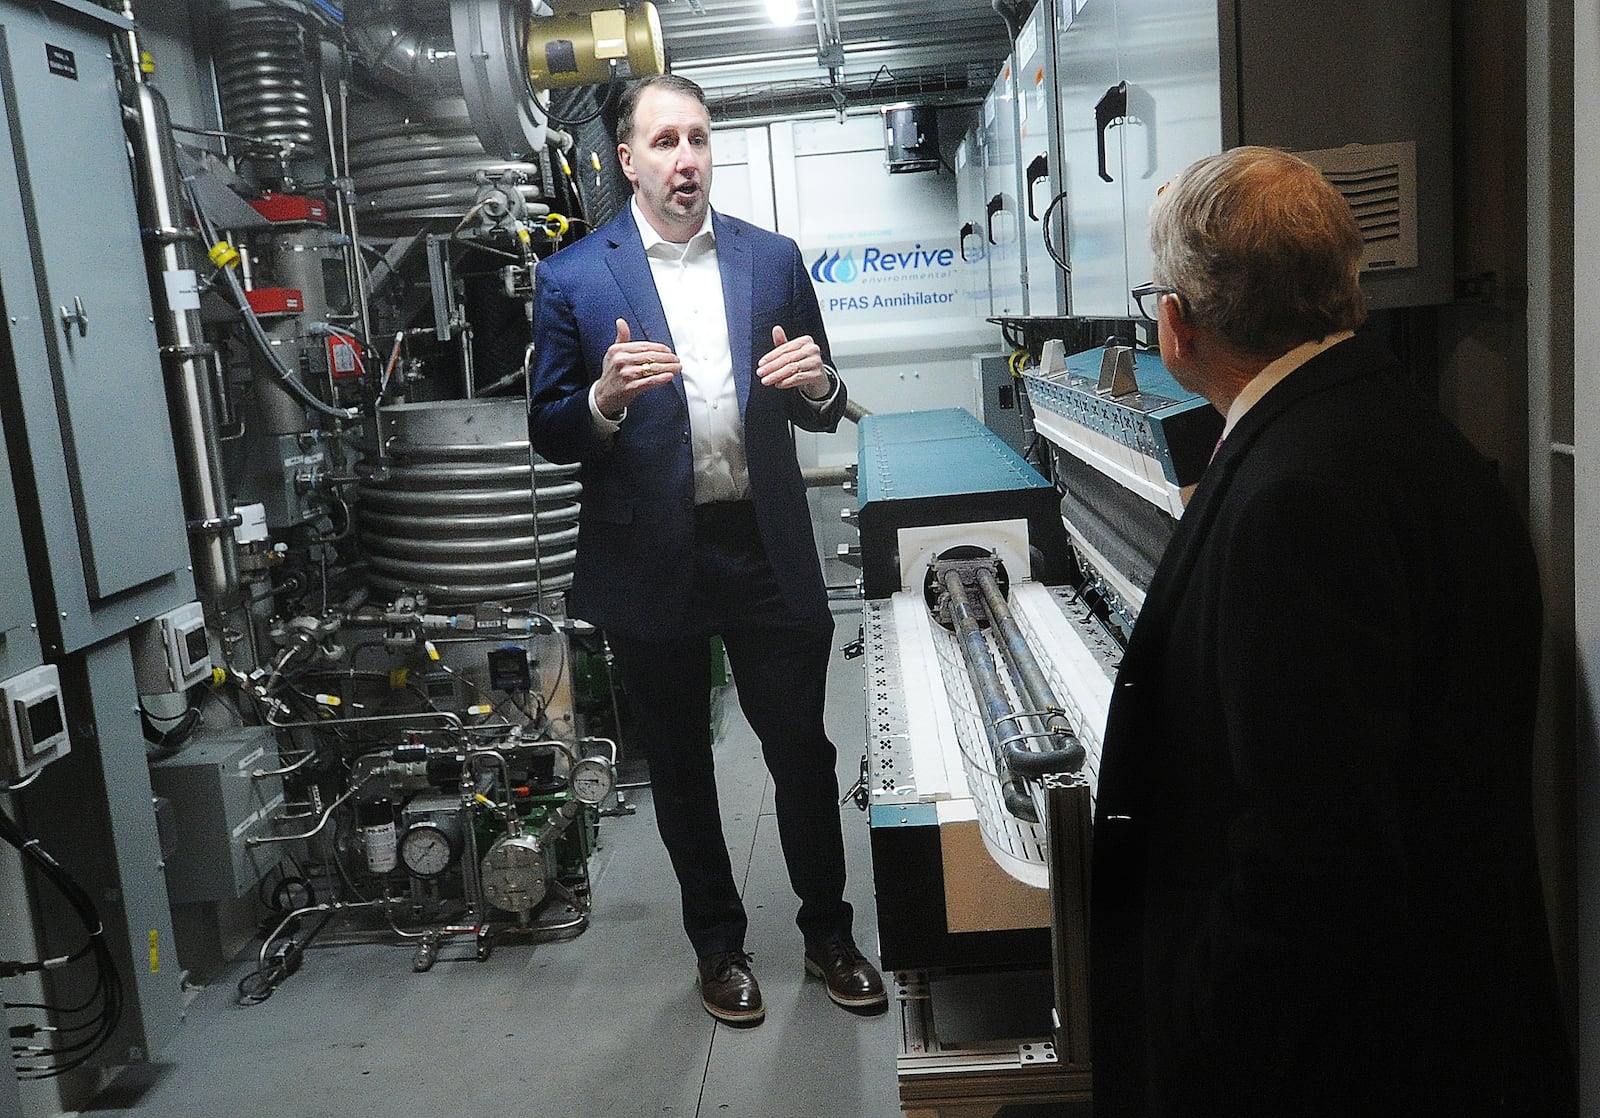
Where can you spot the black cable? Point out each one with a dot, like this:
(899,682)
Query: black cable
(159,743)
(1053,252)
(601,101)
(108,989)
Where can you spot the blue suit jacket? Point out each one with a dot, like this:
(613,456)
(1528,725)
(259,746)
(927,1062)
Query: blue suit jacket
(635,560)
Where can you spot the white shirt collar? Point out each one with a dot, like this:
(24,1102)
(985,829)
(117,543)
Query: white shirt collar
(1268,377)
(651,238)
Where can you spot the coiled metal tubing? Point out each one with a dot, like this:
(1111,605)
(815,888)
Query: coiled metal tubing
(423,170)
(468,521)
(267,79)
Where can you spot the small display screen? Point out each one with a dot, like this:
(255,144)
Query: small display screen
(194,646)
(45,721)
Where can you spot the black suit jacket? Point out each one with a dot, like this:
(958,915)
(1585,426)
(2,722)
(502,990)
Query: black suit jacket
(635,562)
(1315,888)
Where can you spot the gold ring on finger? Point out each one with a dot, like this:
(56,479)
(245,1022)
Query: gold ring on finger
(646,367)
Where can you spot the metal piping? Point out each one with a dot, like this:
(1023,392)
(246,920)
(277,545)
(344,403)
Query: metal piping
(1007,10)
(188,360)
(1069,754)
(415,62)
(986,682)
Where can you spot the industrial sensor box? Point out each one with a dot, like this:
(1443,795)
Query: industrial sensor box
(33,722)
(170,651)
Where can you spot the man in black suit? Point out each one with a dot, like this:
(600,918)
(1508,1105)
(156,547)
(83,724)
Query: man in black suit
(674,348)
(1315,886)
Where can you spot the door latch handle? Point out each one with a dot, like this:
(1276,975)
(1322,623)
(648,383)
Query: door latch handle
(75,316)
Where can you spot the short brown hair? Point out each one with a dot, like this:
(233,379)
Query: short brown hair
(635,89)
(1262,249)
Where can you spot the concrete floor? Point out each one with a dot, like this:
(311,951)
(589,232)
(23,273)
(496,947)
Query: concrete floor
(608,1023)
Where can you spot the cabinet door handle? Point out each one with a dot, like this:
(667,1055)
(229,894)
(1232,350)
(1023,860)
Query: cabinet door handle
(75,316)
(1109,109)
(968,228)
(1038,169)
(998,204)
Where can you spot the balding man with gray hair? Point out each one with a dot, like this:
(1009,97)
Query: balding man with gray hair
(1315,881)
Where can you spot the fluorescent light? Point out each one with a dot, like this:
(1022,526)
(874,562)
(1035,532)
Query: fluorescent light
(783,12)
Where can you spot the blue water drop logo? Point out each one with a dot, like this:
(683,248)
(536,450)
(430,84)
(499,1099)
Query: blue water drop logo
(833,268)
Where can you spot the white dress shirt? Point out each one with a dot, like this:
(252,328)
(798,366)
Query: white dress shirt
(689,284)
(1263,381)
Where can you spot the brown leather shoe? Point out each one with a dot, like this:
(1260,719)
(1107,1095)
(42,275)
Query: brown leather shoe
(728,989)
(852,981)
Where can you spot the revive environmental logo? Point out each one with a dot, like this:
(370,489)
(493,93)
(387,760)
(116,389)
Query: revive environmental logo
(902,277)
(834,268)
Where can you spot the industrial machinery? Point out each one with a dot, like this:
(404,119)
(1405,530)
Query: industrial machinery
(284,619)
(992,628)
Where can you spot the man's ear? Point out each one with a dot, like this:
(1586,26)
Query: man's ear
(625,157)
(1175,321)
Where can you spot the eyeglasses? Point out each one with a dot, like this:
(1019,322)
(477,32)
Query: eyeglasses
(1147,297)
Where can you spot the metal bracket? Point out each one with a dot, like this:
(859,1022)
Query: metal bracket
(1117,372)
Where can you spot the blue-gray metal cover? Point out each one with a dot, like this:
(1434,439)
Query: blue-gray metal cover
(942,453)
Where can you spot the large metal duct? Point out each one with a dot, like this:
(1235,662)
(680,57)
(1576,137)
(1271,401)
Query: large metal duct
(413,58)
(412,172)
(452,514)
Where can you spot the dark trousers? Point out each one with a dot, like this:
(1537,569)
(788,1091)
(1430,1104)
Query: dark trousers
(780,667)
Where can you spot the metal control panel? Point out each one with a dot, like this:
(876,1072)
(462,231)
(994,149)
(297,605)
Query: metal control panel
(219,797)
(85,408)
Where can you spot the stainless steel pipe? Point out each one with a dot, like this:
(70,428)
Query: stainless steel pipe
(985,679)
(1065,753)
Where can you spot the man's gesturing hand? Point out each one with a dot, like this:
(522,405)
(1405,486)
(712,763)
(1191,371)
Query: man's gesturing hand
(794,364)
(630,368)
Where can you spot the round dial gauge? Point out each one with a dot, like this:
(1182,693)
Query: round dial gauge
(425,850)
(592,780)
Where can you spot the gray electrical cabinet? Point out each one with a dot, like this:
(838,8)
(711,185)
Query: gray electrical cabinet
(92,533)
(1008,293)
(217,805)
(81,377)
(19,635)
(1001,398)
(1039,164)
(1362,89)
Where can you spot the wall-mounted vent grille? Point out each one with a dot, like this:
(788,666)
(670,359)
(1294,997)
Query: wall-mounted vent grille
(1380,183)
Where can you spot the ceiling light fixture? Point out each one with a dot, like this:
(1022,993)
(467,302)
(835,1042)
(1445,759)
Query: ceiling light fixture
(783,12)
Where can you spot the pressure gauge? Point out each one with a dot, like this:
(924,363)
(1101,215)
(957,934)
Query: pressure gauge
(592,780)
(426,849)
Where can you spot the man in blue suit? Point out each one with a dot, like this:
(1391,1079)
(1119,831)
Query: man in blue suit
(674,349)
